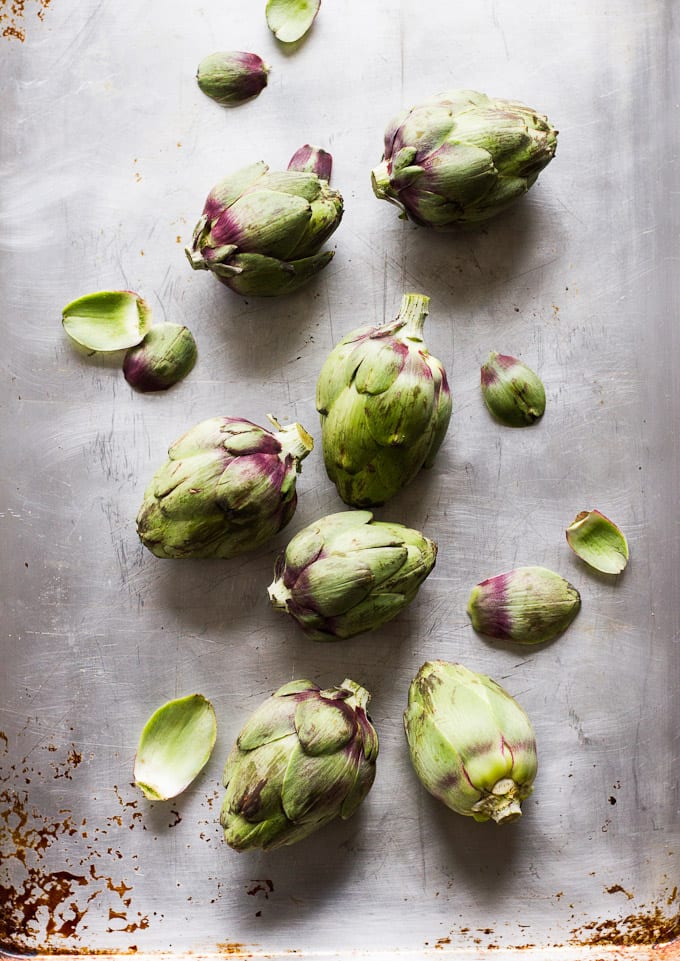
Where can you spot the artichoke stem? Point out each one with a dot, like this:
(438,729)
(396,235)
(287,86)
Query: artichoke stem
(279,594)
(360,695)
(412,313)
(296,441)
(380,179)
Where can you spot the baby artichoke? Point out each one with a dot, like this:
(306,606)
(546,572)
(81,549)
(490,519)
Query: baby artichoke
(261,233)
(385,407)
(227,487)
(462,156)
(472,745)
(305,757)
(347,574)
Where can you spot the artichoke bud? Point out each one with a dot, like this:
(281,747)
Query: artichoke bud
(315,160)
(347,574)
(529,605)
(227,487)
(385,407)
(261,233)
(305,757)
(462,157)
(165,356)
(471,744)
(232,77)
(513,393)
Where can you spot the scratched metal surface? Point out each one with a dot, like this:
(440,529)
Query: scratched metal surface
(108,150)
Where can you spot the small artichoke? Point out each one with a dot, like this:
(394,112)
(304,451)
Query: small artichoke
(261,232)
(462,157)
(232,77)
(385,407)
(472,745)
(227,487)
(347,574)
(165,356)
(305,757)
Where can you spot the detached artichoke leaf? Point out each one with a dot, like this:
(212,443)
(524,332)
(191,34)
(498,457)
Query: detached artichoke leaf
(175,746)
(512,392)
(289,20)
(528,605)
(232,77)
(598,541)
(108,320)
(164,358)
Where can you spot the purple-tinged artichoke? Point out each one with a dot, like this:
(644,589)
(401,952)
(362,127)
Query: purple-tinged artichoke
(227,487)
(472,745)
(461,157)
(165,356)
(385,407)
(305,757)
(261,233)
(346,574)
(232,77)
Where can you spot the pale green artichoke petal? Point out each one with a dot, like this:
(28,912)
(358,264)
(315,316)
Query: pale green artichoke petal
(322,223)
(443,415)
(192,495)
(245,489)
(207,437)
(268,222)
(459,172)
(331,585)
(347,441)
(370,614)
(316,786)
(251,782)
(323,727)
(369,535)
(269,277)
(295,687)
(228,190)
(272,720)
(295,182)
(242,835)
(337,372)
(379,370)
(362,785)
(403,413)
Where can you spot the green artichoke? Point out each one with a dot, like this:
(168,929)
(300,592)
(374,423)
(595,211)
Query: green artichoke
(305,757)
(227,487)
(261,233)
(385,407)
(347,574)
(472,745)
(462,156)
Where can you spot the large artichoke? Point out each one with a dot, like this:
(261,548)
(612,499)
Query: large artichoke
(261,232)
(462,156)
(385,406)
(305,757)
(472,745)
(346,574)
(227,487)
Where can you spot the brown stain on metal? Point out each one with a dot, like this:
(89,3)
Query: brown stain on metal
(234,949)
(12,13)
(37,902)
(652,928)
(617,889)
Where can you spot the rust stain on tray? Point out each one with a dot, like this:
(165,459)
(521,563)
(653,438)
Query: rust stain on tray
(12,14)
(36,901)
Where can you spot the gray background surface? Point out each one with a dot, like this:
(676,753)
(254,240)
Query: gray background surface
(108,151)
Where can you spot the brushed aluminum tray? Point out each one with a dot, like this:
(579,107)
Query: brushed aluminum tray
(108,151)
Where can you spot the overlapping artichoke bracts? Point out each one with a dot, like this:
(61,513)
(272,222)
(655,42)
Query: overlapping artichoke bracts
(347,574)
(305,757)
(462,157)
(472,745)
(227,487)
(261,233)
(385,407)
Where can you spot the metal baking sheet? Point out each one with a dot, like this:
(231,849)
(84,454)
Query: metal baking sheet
(108,151)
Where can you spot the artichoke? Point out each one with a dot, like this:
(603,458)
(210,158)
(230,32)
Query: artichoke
(472,745)
(385,406)
(305,757)
(462,157)
(227,487)
(347,574)
(261,232)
